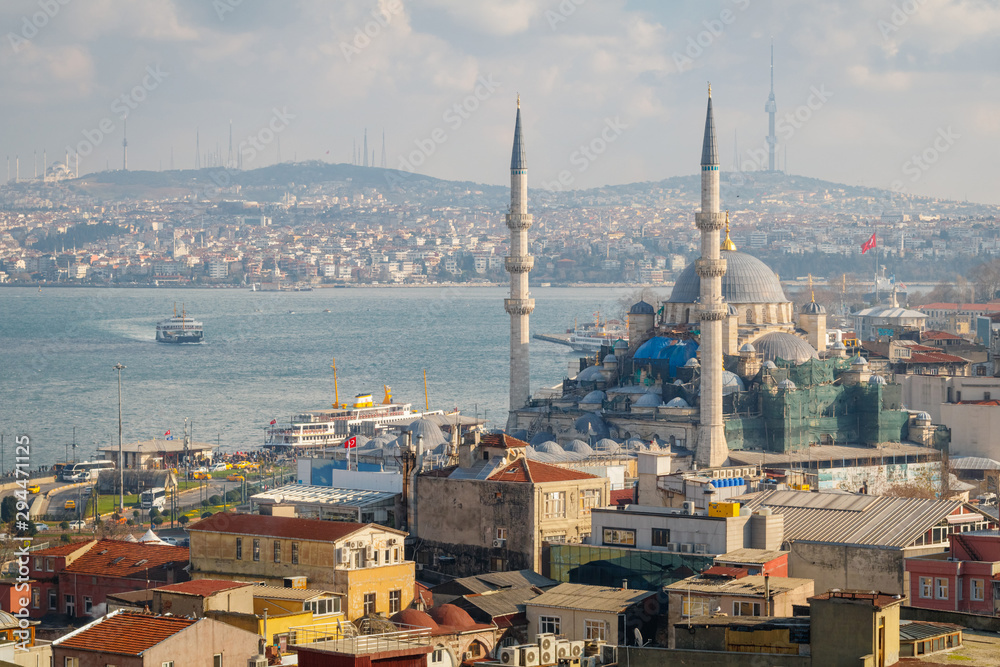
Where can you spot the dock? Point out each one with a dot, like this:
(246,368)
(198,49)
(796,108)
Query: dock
(561,339)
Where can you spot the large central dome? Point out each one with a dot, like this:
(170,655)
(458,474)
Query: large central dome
(747,281)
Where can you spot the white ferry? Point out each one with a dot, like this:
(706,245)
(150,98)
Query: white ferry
(591,337)
(330,428)
(181,329)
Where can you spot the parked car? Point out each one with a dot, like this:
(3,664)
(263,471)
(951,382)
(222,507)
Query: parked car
(74,525)
(219,467)
(39,526)
(234,478)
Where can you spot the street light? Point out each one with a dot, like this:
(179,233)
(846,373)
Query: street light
(121,469)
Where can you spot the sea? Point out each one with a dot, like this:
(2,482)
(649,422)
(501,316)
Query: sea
(266,355)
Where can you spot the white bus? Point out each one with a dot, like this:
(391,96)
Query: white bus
(85,471)
(155,497)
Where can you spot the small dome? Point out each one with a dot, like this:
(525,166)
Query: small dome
(591,425)
(415,618)
(450,615)
(677,402)
(364,442)
(813,308)
(692,363)
(648,400)
(770,364)
(678,383)
(610,359)
(781,345)
(549,447)
(596,397)
(620,347)
(876,379)
(858,360)
(540,437)
(838,346)
(923,416)
(642,308)
(590,374)
(786,384)
(747,347)
(607,445)
(430,431)
(579,447)
(731,382)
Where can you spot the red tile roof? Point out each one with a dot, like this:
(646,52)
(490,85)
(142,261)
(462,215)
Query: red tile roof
(125,633)
(622,497)
(501,440)
(115,558)
(523,470)
(316,530)
(203,587)
(64,549)
(939,335)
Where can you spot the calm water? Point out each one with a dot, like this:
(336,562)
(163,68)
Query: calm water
(266,355)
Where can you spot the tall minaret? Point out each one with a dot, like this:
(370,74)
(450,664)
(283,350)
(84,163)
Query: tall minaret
(712,449)
(771,108)
(518,264)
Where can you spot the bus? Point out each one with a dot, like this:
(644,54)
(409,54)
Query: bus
(85,471)
(153,498)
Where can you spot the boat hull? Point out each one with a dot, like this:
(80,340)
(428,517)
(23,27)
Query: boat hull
(187,337)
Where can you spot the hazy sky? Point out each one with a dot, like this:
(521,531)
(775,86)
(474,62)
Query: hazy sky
(873,84)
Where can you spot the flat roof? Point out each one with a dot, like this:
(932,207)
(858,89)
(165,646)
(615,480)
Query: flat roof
(157,445)
(589,598)
(322,495)
(281,593)
(752,556)
(821,453)
(751,586)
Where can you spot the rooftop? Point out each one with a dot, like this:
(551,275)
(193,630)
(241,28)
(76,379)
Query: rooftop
(203,587)
(589,598)
(158,445)
(750,556)
(750,586)
(281,593)
(117,558)
(535,472)
(321,495)
(125,633)
(873,598)
(824,453)
(500,440)
(315,530)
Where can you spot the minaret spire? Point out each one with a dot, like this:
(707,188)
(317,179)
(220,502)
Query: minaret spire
(518,263)
(711,449)
(771,108)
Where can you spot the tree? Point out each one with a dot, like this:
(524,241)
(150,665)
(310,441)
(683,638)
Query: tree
(64,525)
(8,509)
(206,515)
(215,500)
(205,503)
(986,278)
(158,520)
(183,519)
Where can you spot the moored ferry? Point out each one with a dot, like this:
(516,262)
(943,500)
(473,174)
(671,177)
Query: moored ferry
(591,337)
(181,329)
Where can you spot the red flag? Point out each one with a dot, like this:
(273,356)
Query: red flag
(167,433)
(868,245)
(273,422)
(351,442)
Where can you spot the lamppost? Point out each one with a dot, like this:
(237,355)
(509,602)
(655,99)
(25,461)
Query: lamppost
(121,458)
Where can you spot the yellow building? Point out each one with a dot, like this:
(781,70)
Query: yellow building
(365,563)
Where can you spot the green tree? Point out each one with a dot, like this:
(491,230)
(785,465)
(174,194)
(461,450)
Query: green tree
(215,500)
(8,509)
(183,519)
(157,520)
(206,515)
(64,525)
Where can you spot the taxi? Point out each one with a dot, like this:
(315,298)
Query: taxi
(234,478)
(69,505)
(34,488)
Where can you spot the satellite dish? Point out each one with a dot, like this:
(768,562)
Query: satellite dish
(638,636)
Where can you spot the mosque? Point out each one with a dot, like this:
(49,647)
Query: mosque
(722,368)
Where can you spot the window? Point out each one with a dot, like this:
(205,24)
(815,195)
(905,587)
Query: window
(942,589)
(549,625)
(277,551)
(498,564)
(501,534)
(38,562)
(595,630)
(50,564)
(926,587)
(52,599)
(624,537)
(70,601)
(369,603)
(660,537)
(88,605)
(72,662)
(395,599)
(746,608)
(977,589)
(217,660)
(169,663)
(357,558)
(256,549)
(695,607)
(555,505)
(323,606)
(589,499)
(438,655)
(239,548)
(295,553)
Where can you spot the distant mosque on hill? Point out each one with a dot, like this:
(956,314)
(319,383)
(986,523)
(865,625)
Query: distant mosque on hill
(724,365)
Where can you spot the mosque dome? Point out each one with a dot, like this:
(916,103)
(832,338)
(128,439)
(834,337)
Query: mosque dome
(607,445)
(415,618)
(592,424)
(876,379)
(452,616)
(858,360)
(642,308)
(579,447)
(747,280)
(595,397)
(813,308)
(677,402)
(692,363)
(786,384)
(540,437)
(634,443)
(838,346)
(610,359)
(770,364)
(731,382)
(364,442)
(781,345)
(747,347)
(648,400)
(590,374)
(427,429)
(923,416)
(549,447)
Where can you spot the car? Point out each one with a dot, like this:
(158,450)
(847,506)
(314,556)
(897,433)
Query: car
(69,505)
(235,478)
(76,525)
(34,488)
(169,540)
(201,475)
(219,467)
(39,526)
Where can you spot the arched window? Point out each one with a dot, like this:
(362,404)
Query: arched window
(687,316)
(749,315)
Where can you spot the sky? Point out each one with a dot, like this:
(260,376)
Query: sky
(900,94)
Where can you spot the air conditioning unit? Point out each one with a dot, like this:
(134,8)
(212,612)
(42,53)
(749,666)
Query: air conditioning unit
(547,642)
(569,662)
(688,507)
(257,661)
(391,541)
(562,649)
(510,656)
(687,548)
(370,552)
(576,649)
(701,548)
(344,556)
(529,656)
(499,542)
(672,546)
(609,654)
(419,566)
(547,657)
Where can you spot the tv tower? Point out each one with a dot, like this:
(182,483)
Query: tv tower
(197,149)
(125,145)
(771,108)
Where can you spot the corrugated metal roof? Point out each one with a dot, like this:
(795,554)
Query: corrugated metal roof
(751,556)
(852,518)
(914,630)
(753,585)
(325,495)
(974,463)
(590,598)
(829,453)
(492,604)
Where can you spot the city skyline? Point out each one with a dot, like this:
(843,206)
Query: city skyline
(866,95)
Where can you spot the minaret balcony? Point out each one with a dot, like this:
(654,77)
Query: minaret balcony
(519,221)
(518,264)
(715,312)
(519,306)
(710,222)
(710,268)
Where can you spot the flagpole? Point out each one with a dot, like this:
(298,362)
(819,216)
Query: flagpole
(874,233)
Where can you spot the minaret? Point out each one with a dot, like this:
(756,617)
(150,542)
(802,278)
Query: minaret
(518,264)
(384,162)
(366,148)
(197,148)
(711,450)
(771,108)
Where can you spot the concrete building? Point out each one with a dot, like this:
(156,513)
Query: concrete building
(496,509)
(964,579)
(578,612)
(363,562)
(159,453)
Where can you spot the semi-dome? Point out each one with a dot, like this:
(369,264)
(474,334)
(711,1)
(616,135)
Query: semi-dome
(781,345)
(452,616)
(813,308)
(786,384)
(579,446)
(549,447)
(677,402)
(747,280)
(648,400)
(642,308)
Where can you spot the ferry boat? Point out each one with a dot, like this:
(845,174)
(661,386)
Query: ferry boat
(331,427)
(591,337)
(181,329)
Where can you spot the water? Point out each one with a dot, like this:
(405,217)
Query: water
(266,356)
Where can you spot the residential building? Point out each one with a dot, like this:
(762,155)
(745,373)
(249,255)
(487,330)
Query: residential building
(963,579)
(578,612)
(363,562)
(129,639)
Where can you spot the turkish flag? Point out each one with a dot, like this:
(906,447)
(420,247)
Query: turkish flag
(273,422)
(868,245)
(351,442)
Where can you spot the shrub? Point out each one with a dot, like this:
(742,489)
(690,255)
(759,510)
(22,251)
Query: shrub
(205,503)
(64,525)
(157,520)
(234,496)
(215,500)
(206,515)
(183,520)
(153,513)
(64,537)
